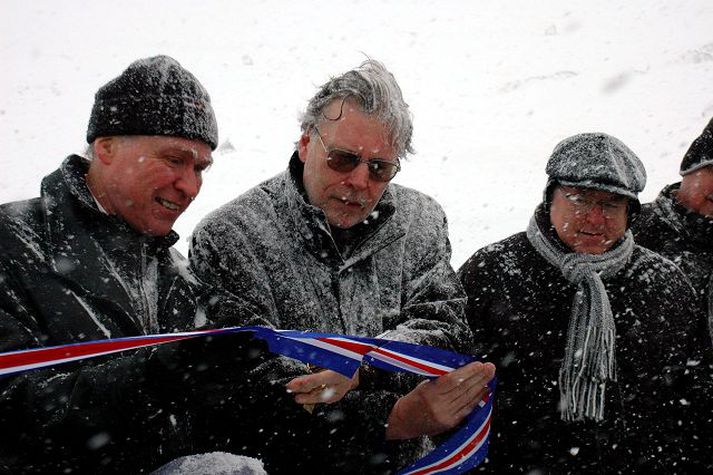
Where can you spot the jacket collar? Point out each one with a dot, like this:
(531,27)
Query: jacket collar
(81,236)
(73,173)
(693,226)
(312,225)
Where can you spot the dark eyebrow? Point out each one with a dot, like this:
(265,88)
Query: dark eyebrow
(337,149)
(359,156)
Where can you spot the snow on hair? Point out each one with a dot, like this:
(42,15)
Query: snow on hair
(375,89)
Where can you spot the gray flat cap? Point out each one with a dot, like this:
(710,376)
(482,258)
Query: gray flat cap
(599,161)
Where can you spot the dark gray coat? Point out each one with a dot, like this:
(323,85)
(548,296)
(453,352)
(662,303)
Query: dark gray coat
(519,309)
(276,252)
(70,273)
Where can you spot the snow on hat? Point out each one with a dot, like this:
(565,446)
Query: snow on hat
(700,153)
(599,161)
(154,96)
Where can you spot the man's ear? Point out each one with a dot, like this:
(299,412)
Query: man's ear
(302,146)
(105,149)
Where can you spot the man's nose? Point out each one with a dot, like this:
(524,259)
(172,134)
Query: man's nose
(359,177)
(596,214)
(189,182)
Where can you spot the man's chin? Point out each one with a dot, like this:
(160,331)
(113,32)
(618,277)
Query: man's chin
(156,229)
(345,222)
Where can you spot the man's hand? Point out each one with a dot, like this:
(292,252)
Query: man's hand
(440,404)
(326,386)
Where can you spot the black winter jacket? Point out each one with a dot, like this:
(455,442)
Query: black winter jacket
(70,273)
(682,236)
(519,309)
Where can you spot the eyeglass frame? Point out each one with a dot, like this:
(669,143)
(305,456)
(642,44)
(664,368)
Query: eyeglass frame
(378,161)
(586,205)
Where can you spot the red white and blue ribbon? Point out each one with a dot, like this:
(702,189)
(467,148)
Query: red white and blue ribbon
(341,353)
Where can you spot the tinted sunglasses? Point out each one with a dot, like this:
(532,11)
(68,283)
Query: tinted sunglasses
(344,162)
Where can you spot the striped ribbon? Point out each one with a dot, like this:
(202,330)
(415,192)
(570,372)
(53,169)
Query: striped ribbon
(344,354)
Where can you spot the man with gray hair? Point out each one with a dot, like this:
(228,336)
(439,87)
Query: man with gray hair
(331,245)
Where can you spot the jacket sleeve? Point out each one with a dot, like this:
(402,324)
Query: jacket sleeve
(240,290)
(433,300)
(682,336)
(77,414)
(61,408)
(479,283)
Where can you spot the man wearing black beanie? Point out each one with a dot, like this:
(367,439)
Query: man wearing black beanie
(679,223)
(90,259)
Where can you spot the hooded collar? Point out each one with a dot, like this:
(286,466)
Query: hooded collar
(311,222)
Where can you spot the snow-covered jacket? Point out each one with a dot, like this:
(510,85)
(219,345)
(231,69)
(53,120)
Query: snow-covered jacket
(519,308)
(275,251)
(70,273)
(682,236)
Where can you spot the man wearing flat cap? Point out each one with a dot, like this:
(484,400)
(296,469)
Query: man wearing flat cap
(679,223)
(590,333)
(91,259)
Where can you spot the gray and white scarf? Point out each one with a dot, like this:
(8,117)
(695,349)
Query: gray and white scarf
(589,361)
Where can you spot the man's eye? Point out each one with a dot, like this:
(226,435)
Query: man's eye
(174,160)
(345,157)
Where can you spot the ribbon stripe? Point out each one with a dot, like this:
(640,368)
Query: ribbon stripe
(466,449)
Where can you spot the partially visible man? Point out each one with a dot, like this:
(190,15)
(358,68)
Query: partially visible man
(91,258)
(591,334)
(331,245)
(679,223)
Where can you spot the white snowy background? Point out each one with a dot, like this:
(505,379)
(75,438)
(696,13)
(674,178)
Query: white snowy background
(493,86)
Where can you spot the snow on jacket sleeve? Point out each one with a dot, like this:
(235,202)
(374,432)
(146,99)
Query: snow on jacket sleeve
(121,409)
(80,416)
(433,306)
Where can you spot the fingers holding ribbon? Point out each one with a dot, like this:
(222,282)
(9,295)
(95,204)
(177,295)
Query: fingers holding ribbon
(440,404)
(471,388)
(323,386)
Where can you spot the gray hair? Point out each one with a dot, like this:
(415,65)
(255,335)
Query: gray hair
(375,89)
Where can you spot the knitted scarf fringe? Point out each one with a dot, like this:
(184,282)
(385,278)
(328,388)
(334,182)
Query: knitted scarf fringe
(589,361)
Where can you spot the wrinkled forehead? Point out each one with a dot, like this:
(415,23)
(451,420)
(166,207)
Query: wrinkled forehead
(342,112)
(340,108)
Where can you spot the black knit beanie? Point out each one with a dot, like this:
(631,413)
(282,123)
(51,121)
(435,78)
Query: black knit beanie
(154,96)
(700,153)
